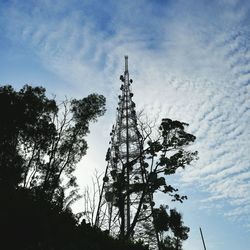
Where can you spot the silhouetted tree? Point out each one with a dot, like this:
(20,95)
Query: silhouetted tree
(161,155)
(165,222)
(41,141)
(90,198)
(25,121)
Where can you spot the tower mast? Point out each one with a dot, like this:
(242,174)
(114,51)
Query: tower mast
(124,209)
(126,85)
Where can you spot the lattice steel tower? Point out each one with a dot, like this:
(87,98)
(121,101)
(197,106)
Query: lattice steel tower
(122,201)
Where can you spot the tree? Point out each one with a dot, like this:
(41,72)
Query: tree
(90,198)
(164,222)
(41,141)
(161,155)
(25,121)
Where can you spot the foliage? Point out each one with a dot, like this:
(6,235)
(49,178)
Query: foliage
(30,223)
(25,121)
(42,141)
(161,155)
(165,221)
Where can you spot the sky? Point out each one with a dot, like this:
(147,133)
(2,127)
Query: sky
(190,61)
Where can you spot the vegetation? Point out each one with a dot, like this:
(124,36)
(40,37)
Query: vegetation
(162,153)
(40,144)
(29,222)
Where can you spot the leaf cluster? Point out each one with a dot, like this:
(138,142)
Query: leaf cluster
(170,220)
(160,156)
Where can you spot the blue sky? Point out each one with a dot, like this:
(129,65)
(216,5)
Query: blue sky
(190,60)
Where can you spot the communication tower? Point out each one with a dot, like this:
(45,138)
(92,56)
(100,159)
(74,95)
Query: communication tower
(124,210)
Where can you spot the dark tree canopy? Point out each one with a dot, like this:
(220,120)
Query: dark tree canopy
(42,140)
(166,221)
(26,120)
(161,155)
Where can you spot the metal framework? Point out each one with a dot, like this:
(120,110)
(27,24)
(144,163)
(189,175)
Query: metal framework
(122,201)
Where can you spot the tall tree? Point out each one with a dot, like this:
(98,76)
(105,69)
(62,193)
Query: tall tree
(25,120)
(41,141)
(161,155)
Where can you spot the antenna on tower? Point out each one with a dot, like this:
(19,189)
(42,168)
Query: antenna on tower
(126,64)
